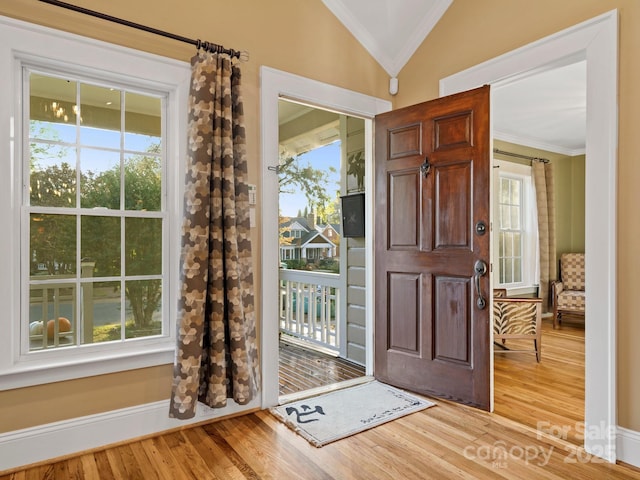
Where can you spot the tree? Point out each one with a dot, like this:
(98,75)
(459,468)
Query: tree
(52,183)
(312,182)
(330,213)
(142,247)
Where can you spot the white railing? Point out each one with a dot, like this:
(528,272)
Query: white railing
(310,306)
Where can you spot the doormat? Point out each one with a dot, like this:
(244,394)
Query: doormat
(341,413)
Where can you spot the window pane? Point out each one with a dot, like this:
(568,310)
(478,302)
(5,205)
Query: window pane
(501,244)
(508,244)
(101,303)
(51,316)
(52,245)
(505,218)
(517,269)
(515,217)
(143,182)
(143,126)
(56,132)
(143,246)
(100,178)
(100,116)
(52,175)
(517,244)
(508,270)
(144,300)
(502,270)
(100,246)
(515,192)
(52,104)
(504,190)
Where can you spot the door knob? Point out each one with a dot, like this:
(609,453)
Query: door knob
(480,269)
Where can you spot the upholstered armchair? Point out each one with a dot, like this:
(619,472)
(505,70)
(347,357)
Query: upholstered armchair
(568,293)
(517,318)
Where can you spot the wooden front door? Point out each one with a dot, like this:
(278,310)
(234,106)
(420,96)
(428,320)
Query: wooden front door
(432,170)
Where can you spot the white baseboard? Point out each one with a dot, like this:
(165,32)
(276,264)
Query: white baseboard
(628,446)
(44,442)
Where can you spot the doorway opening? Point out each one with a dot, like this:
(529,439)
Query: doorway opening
(275,87)
(539,120)
(321,276)
(596,42)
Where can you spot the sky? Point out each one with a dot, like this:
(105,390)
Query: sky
(321,158)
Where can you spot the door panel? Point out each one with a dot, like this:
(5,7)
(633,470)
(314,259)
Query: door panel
(405,292)
(452,205)
(432,186)
(405,210)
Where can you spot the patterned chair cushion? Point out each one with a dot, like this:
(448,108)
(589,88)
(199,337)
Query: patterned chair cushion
(514,317)
(571,300)
(572,271)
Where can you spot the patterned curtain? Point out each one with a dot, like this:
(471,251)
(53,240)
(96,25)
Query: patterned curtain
(545,200)
(216,354)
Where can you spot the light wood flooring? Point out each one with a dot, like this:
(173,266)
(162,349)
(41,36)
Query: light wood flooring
(548,395)
(448,441)
(443,442)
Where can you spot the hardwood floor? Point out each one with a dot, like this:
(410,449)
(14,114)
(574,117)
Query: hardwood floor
(302,369)
(548,395)
(443,442)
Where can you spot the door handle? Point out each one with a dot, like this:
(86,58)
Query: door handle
(480,269)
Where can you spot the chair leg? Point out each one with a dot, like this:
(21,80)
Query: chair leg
(536,344)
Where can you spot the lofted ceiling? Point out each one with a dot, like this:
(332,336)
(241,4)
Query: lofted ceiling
(546,110)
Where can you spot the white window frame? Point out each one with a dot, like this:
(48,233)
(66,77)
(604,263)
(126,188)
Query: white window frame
(26,44)
(530,263)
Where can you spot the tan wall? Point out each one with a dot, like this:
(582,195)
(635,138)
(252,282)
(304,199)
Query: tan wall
(472,32)
(301,37)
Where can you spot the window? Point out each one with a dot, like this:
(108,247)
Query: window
(511,232)
(94,212)
(90,196)
(516,232)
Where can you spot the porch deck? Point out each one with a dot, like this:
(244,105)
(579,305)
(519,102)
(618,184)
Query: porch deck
(303,369)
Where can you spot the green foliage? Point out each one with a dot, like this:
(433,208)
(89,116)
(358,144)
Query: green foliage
(299,264)
(329,264)
(53,237)
(312,182)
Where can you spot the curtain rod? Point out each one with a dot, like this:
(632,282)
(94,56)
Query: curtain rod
(207,46)
(519,155)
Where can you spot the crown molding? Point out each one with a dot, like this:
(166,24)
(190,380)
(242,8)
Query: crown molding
(540,145)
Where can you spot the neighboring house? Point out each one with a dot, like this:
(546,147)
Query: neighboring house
(302,239)
(332,232)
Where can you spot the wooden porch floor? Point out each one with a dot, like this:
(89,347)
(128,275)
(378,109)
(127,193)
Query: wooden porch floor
(303,369)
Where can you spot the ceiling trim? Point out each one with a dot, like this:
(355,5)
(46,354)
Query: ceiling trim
(540,145)
(392,64)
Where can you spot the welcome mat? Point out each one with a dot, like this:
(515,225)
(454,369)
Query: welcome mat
(341,413)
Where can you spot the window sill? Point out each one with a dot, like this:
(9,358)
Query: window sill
(522,290)
(26,374)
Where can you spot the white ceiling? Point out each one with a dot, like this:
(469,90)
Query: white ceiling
(546,110)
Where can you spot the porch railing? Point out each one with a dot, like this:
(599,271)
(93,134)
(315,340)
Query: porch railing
(310,306)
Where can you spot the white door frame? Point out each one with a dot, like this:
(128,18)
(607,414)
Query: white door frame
(595,40)
(274,85)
